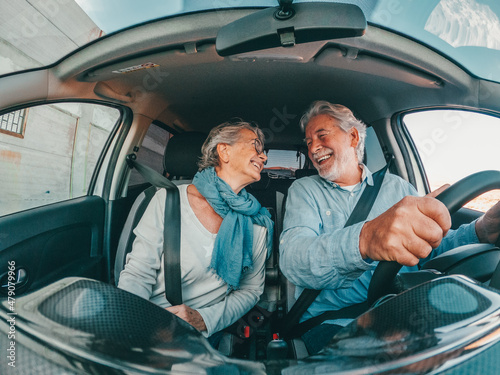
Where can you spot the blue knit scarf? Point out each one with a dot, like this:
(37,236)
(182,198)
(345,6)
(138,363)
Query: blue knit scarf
(232,254)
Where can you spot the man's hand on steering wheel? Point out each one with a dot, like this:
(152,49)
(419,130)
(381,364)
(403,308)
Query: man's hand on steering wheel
(488,226)
(408,231)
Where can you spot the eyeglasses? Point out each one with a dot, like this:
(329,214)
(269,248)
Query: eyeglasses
(259,147)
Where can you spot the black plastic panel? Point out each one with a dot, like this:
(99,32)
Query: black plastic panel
(85,324)
(55,241)
(310,22)
(475,260)
(91,327)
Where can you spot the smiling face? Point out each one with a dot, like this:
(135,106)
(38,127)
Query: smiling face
(333,150)
(242,162)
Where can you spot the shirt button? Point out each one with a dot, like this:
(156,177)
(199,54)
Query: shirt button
(328,213)
(352,194)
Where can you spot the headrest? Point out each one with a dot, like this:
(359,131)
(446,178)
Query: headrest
(299,173)
(262,184)
(182,154)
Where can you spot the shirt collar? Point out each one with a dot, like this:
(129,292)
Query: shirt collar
(365,176)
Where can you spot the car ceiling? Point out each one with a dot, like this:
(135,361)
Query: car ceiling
(376,75)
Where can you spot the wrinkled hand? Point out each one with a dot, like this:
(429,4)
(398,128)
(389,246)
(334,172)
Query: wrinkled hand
(488,225)
(190,315)
(407,232)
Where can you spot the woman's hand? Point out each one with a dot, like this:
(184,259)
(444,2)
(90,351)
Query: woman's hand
(189,315)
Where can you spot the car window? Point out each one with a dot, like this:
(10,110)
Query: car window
(48,153)
(283,163)
(151,152)
(453,144)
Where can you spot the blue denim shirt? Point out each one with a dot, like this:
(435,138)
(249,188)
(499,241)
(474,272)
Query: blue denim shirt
(317,252)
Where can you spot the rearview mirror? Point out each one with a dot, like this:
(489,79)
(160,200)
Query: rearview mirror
(306,22)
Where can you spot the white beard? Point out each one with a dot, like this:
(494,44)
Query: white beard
(338,168)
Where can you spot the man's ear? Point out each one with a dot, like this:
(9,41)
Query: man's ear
(354,137)
(223,151)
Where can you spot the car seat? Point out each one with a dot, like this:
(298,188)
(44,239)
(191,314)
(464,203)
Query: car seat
(297,348)
(180,165)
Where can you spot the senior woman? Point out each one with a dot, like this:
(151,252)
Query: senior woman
(225,235)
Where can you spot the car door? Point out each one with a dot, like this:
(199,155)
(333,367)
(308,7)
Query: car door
(53,184)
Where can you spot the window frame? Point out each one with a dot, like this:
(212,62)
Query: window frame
(113,142)
(414,166)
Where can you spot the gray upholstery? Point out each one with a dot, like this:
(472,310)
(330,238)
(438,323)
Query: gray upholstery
(180,161)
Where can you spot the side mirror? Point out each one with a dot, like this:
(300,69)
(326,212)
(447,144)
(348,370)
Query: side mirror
(303,23)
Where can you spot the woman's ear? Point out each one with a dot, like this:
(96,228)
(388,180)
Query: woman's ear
(223,151)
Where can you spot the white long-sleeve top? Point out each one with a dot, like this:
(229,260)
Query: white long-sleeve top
(202,290)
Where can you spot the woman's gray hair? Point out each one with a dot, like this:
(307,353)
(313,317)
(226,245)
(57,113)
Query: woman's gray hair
(227,132)
(344,116)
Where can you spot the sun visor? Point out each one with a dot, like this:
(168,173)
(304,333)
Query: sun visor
(351,59)
(156,64)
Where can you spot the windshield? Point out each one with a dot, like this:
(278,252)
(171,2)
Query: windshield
(36,34)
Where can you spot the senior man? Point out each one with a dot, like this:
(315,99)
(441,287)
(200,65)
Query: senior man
(318,252)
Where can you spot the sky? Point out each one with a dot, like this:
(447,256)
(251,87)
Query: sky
(112,15)
(463,142)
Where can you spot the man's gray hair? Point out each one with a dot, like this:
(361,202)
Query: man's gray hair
(344,116)
(227,132)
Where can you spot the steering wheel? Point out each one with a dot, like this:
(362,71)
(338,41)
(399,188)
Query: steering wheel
(453,198)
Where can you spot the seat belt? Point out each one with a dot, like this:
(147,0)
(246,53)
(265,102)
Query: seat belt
(291,327)
(171,232)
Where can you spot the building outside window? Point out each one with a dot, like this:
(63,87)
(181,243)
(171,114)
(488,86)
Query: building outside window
(14,123)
